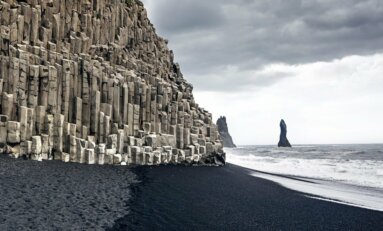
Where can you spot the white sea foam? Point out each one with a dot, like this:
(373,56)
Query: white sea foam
(331,191)
(340,174)
(357,172)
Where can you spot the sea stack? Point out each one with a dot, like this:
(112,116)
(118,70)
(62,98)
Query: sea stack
(224,133)
(91,82)
(283,141)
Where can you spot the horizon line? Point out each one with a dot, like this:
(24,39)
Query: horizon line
(308,144)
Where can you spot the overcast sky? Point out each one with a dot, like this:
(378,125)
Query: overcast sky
(316,63)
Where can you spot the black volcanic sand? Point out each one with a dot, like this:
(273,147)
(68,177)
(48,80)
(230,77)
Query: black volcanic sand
(228,198)
(53,195)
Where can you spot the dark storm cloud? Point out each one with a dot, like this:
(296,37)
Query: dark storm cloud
(209,36)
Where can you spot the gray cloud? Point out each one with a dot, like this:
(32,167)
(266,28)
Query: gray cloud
(178,17)
(210,36)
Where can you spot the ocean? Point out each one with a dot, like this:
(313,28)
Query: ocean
(350,174)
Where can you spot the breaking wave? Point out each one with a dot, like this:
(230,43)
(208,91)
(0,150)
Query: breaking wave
(360,165)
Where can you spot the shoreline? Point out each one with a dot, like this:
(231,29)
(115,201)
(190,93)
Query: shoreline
(52,194)
(332,191)
(221,198)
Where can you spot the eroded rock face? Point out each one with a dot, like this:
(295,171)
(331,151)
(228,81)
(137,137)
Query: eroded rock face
(283,141)
(223,130)
(91,82)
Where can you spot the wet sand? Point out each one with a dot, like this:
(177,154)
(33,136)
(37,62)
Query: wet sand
(228,198)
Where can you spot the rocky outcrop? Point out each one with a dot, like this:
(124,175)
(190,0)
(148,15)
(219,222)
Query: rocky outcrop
(223,130)
(91,82)
(283,141)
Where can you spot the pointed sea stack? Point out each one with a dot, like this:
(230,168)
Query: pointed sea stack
(224,133)
(283,141)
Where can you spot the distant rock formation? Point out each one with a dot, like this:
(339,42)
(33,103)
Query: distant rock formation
(224,133)
(283,141)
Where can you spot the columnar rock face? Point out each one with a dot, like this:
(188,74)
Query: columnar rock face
(283,141)
(91,82)
(223,130)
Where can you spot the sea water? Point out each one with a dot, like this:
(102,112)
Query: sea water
(351,174)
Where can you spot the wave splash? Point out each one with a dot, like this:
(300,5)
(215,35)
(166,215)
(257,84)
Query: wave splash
(346,164)
(350,174)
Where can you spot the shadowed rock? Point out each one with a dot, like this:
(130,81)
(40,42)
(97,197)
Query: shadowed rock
(283,141)
(224,133)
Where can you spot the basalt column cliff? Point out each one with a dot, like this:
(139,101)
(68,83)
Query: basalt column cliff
(91,82)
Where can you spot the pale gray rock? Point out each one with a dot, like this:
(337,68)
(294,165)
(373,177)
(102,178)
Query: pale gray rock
(117,159)
(13,129)
(112,141)
(151,140)
(3,129)
(108,159)
(81,75)
(45,149)
(65,157)
(36,148)
(90,156)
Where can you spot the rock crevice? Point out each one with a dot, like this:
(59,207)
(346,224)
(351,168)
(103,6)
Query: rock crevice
(91,82)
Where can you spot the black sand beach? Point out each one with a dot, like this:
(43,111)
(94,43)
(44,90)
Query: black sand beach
(53,195)
(228,198)
(57,196)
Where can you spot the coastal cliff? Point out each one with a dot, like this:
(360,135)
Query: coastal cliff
(223,130)
(91,82)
